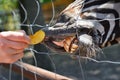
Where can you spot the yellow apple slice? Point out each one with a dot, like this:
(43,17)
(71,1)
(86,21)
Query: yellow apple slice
(38,37)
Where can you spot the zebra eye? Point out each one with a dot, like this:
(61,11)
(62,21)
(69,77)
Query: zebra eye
(63,18)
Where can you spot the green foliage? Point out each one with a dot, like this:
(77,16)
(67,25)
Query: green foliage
(9,15)
(8,5)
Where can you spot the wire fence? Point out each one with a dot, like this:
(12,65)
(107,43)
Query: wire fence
(104,66)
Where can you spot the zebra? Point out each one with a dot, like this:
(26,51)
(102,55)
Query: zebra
(84,27)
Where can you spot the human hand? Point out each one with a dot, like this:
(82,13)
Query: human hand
(12,45)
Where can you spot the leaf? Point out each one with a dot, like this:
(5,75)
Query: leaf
(38,37)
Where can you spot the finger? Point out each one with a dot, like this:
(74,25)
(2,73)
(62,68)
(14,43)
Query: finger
(16,36)
(16,57)
(13,44)
(17,45)
(13,58)
(11,51)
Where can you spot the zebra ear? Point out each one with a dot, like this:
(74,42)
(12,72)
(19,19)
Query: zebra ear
(73,9)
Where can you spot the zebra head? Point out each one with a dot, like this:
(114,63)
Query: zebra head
(73,37)
(72,34)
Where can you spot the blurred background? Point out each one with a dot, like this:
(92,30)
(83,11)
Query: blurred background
(11,17)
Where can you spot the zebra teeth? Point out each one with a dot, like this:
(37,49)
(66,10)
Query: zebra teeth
(70,44)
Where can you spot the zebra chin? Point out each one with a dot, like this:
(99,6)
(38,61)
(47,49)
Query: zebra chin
(88,46)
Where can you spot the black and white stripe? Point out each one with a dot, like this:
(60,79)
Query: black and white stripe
(105,13)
